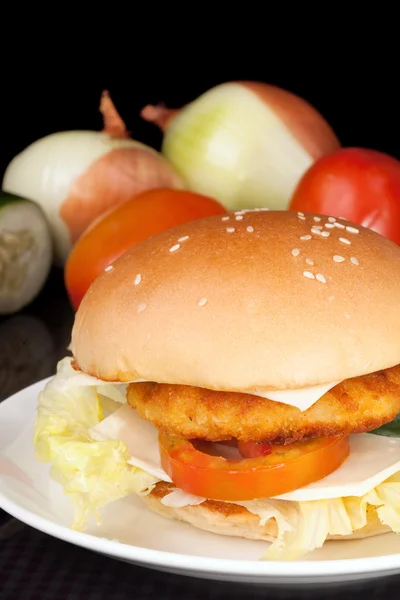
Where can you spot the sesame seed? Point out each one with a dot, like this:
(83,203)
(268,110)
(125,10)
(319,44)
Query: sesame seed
(176,247)
(320,278)
(325,233)
(340,225)
(184,238)
(109,268)
(329,225)
(317,226)
(343,218)
(250,229)
(225,219)
(338,258)
(331,219)
(239,217)
(344,241)
(306,237)
(315,230)
(309,261)
(302,218)
(202,302)
(141,307)
(240,212)
(317,219)
(230,229)
(295,251)
(137,279)
(308,274)
(352,229)
(301,214)
(354,260)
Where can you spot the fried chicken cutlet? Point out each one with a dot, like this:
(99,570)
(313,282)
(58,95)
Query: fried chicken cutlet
(356,405)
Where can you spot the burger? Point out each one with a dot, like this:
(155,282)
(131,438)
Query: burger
(240,374)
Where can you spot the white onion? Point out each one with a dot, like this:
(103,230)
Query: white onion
(246,144)
(75,176)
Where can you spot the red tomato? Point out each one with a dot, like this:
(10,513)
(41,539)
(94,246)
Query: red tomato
(359,184)
(110,236)
(253,449)
(285,469)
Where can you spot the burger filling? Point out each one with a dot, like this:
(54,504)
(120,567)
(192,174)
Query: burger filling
(213,451)
(234,446)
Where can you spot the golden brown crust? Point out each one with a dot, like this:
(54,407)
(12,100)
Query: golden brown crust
(262,322)
(356,405)
(231,519)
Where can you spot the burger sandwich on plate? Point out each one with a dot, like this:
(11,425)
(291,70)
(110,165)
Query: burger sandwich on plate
(241,374)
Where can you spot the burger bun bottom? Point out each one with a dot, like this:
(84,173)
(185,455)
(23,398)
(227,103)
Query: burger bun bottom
(234,520)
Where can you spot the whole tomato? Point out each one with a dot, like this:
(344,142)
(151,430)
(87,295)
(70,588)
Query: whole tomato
(118,230)
(359,184)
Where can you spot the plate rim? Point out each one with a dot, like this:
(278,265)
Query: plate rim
(185,562)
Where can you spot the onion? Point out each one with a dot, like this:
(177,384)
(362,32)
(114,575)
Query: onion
(76,176)
(246,144)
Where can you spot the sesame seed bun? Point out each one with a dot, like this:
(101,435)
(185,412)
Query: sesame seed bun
(254,300)
(231,519)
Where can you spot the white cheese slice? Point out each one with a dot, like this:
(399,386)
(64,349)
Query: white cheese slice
(178,499)
(372,459)
(139,435)
(300,398)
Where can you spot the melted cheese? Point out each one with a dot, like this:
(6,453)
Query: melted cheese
(372,460)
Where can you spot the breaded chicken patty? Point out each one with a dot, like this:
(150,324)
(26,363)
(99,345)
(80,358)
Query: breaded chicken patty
(356,405)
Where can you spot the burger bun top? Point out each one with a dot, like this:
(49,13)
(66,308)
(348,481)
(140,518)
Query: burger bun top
(258,300)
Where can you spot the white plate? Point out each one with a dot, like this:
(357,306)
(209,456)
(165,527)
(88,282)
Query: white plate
(130,532)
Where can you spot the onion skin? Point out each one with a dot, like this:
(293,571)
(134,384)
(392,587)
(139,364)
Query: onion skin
(160,115)
(112,180)
(113,124)
(311,130)
(245,143)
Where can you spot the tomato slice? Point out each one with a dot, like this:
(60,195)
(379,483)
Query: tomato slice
(254,449)
(285,469)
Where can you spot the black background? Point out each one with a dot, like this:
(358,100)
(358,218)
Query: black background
(354,85)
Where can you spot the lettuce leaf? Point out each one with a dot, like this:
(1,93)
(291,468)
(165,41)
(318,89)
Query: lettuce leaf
(391,429)
(305,526)
(93,473)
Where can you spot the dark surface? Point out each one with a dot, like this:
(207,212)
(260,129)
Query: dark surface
(36,566)
(355,89)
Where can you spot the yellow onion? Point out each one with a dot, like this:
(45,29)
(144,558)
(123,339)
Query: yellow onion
(76,176)
(246,144)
